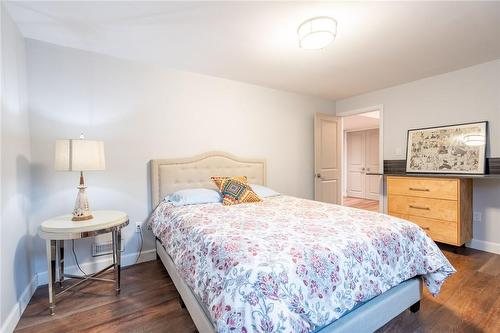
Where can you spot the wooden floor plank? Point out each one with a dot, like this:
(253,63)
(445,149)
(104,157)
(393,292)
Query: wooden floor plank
(469,302)
(492,320)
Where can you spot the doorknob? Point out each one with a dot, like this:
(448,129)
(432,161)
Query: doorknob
(318,175)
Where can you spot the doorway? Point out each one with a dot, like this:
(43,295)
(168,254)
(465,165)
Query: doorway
(362,159)
(330,158)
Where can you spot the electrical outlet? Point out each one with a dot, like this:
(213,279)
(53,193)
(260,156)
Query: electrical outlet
(138,226)
(476,217)
(398,151)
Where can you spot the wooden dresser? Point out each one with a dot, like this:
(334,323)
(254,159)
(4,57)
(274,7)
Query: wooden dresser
(441,206)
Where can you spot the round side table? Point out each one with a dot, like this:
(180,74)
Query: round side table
(58,229)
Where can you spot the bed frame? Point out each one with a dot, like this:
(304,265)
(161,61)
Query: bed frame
(169,175)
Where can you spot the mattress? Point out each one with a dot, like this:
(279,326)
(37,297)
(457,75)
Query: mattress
(289,264)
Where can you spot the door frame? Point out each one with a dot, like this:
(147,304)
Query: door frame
(380,109)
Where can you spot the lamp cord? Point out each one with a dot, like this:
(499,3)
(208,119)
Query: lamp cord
(78,264)
(76,259)
(140,248)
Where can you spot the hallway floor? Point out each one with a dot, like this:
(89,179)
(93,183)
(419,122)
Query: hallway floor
(360,203)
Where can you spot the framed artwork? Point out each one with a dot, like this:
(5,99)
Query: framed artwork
(457,149)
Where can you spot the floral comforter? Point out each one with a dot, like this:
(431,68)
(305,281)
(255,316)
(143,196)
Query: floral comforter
(292,265)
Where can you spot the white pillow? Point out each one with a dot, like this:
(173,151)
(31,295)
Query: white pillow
(263,192)
(194,196)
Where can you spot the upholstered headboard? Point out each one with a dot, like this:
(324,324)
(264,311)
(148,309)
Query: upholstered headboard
(170,175)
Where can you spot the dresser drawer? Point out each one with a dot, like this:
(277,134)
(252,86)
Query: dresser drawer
(438,230)
(423,187)
(425,207)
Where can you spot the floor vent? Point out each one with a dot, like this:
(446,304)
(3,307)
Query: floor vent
(101,249)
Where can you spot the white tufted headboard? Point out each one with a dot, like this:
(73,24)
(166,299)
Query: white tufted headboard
(170,175)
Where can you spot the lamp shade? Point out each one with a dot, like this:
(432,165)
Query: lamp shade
(79,155)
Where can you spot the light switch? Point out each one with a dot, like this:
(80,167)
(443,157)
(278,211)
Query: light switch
(477,216)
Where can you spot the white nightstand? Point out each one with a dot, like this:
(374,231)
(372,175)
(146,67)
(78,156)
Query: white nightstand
(56,230)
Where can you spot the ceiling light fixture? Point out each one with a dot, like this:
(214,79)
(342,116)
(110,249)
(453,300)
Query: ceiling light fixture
(317,32)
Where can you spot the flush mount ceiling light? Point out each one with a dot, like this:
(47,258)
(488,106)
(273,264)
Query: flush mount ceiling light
(317,32)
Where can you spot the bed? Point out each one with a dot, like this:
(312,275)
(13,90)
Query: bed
(280,265)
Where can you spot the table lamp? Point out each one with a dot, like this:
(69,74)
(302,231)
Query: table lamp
(80,155)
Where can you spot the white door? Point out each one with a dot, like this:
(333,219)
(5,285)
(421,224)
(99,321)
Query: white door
(362,158)
(355,164)
(327,158)
(372,182)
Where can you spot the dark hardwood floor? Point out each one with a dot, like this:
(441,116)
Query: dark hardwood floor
(148,302)
(469,302)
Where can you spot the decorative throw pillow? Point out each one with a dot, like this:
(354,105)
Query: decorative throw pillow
(219,181)
(235,190)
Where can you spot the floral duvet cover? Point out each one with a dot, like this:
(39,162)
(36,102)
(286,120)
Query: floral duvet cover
(289,264)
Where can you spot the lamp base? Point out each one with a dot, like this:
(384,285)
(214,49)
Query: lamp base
(81,212)
(82,218)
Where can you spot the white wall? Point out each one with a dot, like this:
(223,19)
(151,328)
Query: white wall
(143,113)
(16,271)
(466,95)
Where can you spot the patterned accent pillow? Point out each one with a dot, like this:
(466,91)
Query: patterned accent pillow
(219,181)
(235,190)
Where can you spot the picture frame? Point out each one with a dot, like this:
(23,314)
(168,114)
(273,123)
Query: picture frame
(451,149)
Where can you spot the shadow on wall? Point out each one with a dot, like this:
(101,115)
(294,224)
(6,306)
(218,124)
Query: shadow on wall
(39,173)
(22,265)
(148,233)
(150,198)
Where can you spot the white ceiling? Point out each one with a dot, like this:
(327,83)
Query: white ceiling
(361,121)
(379,44)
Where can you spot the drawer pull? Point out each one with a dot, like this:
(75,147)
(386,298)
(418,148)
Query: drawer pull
(426,228)
(419,189)
(419,207)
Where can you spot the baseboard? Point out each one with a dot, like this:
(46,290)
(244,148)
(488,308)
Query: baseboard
(484,246)
(127,260)
(17,310)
